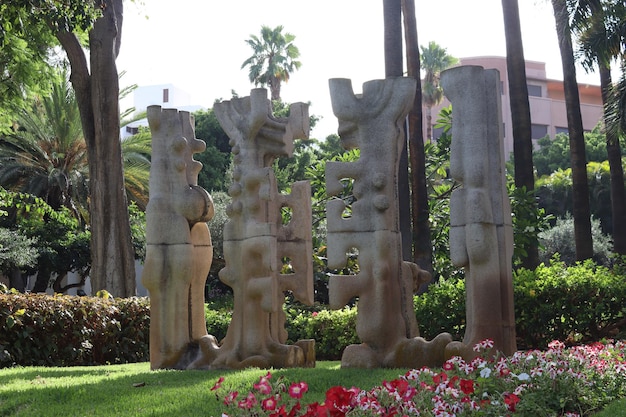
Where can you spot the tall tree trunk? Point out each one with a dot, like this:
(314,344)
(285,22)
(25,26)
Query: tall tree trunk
(614,155)
(422,246)
(392,14)
(580,187)
(112,255)
(520,112)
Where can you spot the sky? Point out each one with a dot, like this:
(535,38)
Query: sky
(199,45)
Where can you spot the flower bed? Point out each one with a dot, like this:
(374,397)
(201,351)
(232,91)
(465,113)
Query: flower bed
(561,381)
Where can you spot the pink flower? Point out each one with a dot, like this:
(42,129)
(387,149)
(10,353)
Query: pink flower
(230,397)
(249,402)
(314,314)
(218,384)
(298,389)
(269,404)
(263,387)
(448,366)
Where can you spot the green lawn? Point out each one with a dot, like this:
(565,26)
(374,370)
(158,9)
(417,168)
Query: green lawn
(134,390)
(113,391)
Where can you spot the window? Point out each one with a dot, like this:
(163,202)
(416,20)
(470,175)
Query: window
(539,131)
(561,130)
(534,90)
(166,95)
(132,130)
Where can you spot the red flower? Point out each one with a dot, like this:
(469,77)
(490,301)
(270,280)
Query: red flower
(317,410)
(467,386)
(269,403)
(339,399)
(230,397)
(510,400)
(440,377)
(218,383)
(280,412)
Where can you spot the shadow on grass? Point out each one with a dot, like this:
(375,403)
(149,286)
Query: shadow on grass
(134,390)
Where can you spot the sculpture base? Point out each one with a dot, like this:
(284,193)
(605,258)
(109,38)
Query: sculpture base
(407,353)
(206,354)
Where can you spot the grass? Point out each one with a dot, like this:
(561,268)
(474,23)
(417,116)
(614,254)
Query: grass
(134,390)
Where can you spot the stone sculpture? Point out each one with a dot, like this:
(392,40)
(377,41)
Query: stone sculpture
(481,233)
(178,250)
(386,324)
(257,243)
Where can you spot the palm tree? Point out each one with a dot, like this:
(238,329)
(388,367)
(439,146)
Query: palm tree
(46,155)
(434,59)
(580,187)
(422,246)
(520,112)
(601,34)
(273,60)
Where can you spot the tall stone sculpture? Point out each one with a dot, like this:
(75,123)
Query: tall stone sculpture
(386,324)
(481,233)
(179,250)
(257,243)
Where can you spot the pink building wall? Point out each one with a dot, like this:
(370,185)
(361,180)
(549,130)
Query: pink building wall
(547,110)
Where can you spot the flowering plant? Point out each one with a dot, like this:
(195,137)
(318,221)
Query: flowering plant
(565,382)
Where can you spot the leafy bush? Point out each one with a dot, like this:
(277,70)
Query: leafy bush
(560,239)
(580,303)
(332,330)
(38,329)
(217,321)
(442,309)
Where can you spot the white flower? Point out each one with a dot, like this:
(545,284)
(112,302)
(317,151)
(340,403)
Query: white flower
(522,377)
(485,372)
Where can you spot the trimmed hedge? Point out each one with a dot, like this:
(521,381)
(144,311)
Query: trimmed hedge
(62,330)
(576,304)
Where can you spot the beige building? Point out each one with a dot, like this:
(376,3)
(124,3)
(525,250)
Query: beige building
(546,98)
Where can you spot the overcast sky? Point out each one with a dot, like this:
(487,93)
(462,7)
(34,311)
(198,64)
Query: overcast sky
(199,45)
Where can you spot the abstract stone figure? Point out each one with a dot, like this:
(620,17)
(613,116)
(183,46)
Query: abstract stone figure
(481,233)
(178,250)
(257,243)
(386,324)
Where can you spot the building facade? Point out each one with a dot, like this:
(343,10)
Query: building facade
(546,99)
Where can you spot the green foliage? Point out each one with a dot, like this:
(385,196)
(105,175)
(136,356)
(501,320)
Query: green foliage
(528,220)
(62,244)
(138,230)
(215,288)
(26,40)
(575,304)
(274,58)
(440,187)
(216,158)
(560,240)
(332,330)
(16,251)
(38,329)
(217,321)
(553,154)
(441,309)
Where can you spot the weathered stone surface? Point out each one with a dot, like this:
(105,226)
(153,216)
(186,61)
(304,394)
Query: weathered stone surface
(386,324)
(256,241)
(481,234)
(179,249)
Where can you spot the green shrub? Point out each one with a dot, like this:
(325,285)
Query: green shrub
(560,239)
(217,321)
(38,329)
(332,330)
(576,304)
(442,309)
